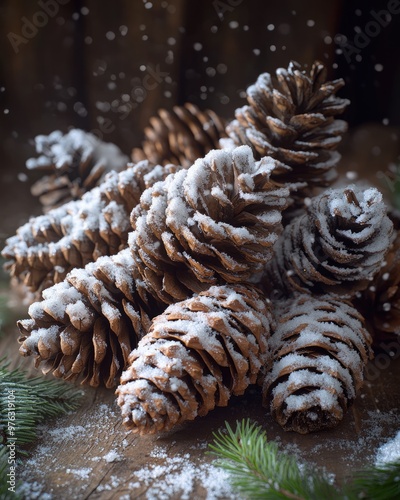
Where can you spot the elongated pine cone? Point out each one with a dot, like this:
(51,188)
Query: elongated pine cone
(291,118)
(47,247)
(336,247)
(216,222)
(180,136)
(196,355)
(74,163)
(379,303)
(87,325)
(320,349)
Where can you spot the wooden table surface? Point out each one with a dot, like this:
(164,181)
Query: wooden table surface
(89,454)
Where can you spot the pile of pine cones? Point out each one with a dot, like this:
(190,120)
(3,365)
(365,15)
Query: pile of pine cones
(218,259)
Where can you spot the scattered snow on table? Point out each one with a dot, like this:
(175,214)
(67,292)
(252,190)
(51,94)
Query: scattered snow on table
(389,451)
(168,470)
(177,476)
(112,456)
(165,474)
(359,451)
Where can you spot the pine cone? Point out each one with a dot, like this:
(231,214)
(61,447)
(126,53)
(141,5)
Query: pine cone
(180,136)
(75,162)
(291,118)
(320,348)
(87,325)
(46,248)
(380,302)
(335,248)
(214,223)
(196,355)
(218,222)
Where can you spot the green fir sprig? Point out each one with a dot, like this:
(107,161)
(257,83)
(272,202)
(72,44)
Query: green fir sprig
(258,470)
(381,482)
(25,402)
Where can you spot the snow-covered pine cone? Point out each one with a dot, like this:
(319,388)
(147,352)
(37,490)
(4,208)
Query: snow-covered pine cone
(336,247)
(320,348)
(74,163)
(180,136)
(216,222)
(86,326)
(291,118)
(196,355)
(47,247)
(379,303)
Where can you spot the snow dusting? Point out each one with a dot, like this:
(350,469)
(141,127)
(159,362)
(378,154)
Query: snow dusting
(178,479)
(389,451)
(60,150)
(162,473)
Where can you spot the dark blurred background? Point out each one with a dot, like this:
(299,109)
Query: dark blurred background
(106,67)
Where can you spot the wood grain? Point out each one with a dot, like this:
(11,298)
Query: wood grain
(76,466)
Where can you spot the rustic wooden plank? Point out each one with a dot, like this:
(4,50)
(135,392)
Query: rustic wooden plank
(89,454)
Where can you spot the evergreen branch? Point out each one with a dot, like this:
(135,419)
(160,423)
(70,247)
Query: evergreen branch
(381,482)
(259,470)
(25,402)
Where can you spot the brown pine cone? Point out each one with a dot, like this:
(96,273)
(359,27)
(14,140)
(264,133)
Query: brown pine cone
(74,162)
(335,248)
(216,222)
(46,248)
(180,136)
(196,355)
(86,326)
(291,118)
(319,349)
(380,302)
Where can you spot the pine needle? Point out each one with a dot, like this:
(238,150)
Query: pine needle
(25,402)
(381,482)
(259,470)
